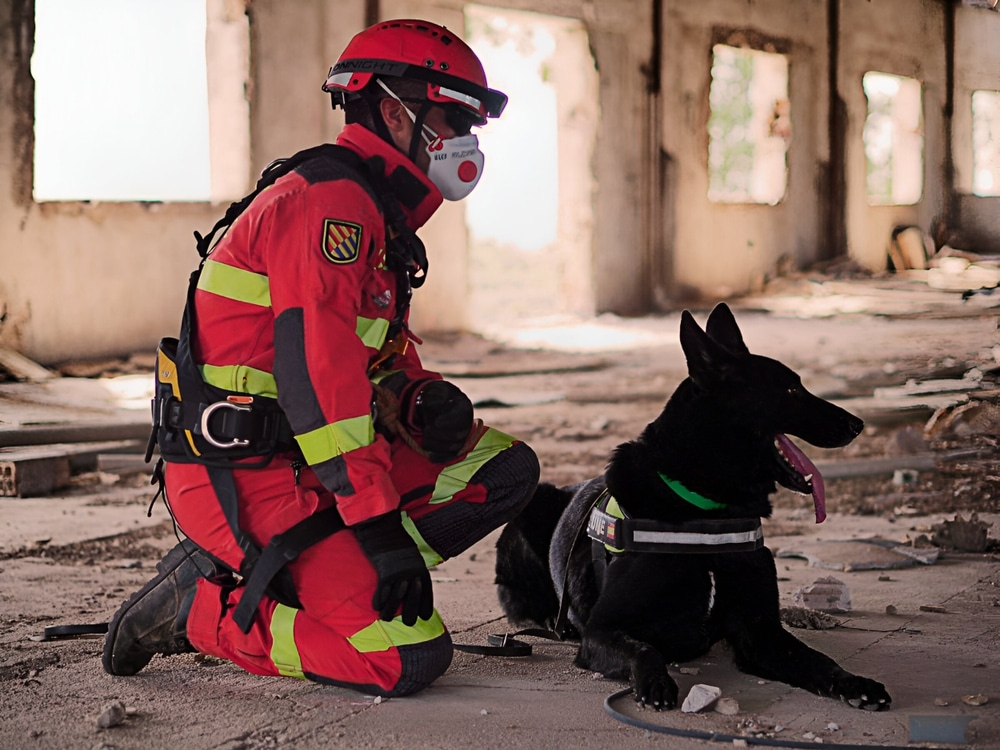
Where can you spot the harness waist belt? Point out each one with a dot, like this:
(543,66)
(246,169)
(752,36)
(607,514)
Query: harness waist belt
(707,536)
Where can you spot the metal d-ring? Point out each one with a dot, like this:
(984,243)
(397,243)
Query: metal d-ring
(206,415)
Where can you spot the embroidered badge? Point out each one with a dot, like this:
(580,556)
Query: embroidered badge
(341,241)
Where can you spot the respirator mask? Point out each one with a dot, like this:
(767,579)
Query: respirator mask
(456,164)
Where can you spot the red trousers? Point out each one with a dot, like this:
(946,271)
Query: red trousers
(336,637)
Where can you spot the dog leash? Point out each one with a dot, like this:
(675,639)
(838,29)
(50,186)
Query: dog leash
(506,644)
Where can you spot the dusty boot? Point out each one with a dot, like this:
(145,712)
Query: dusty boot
(154,619)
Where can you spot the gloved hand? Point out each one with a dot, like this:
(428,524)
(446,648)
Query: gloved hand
(440,417)
(403,578)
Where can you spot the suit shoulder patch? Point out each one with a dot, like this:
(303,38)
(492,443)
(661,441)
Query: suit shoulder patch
(341,241)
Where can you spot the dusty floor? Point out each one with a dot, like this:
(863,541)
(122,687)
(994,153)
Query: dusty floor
(930,632)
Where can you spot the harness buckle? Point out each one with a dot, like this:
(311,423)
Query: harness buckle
(207,415)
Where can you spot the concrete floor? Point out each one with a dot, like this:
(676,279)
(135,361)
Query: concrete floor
(941,641)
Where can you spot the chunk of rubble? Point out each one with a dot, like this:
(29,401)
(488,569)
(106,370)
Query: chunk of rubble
(112,715)
(808,619)
(970,535)
(825,595)
(700,697)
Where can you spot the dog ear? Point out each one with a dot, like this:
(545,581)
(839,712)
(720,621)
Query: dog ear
(706,359)
(723,328)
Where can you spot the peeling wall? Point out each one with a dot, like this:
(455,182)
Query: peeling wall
(976,224)
(86,279)
(718,249)
(881,36)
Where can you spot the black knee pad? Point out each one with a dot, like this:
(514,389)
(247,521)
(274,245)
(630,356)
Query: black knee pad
(422,663)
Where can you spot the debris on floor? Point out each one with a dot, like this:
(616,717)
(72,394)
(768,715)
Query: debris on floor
(825,595)
(700,697)
(970,535)
(861,554)
(808,619)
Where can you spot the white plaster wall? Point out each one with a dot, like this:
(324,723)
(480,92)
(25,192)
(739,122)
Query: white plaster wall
(977,66)
(716,250)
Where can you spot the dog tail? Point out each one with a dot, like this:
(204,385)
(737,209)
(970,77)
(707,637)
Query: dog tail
(524,582)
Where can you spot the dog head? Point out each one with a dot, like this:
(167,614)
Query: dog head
(750,404)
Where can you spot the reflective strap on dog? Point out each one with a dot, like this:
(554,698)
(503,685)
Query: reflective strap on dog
(611,526)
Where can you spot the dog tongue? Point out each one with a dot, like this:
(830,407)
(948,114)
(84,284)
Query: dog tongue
(800,461)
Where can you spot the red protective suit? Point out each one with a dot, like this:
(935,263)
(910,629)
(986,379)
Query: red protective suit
(295,303)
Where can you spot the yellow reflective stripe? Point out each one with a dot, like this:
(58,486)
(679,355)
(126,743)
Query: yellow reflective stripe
(241,379)
(372,331)
(284,652)
(456,478)
(431,558)
(382,635)
(235,283)
(614,509)
(331,440)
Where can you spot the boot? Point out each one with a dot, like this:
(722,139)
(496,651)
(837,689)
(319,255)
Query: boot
(154,619)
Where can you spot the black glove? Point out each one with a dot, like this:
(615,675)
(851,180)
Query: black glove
(403,577)
(440,417)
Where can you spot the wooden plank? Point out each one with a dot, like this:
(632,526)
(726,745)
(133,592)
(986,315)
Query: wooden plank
(23,368)
(74,433)
(30,471)
(30,477)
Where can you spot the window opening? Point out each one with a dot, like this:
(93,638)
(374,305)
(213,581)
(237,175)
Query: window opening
(893,138)
(122,108)
(749,126)
(986,143)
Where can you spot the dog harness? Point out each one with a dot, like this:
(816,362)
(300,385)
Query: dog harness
(611,526)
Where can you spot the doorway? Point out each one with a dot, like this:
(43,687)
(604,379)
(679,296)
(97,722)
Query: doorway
(530,219)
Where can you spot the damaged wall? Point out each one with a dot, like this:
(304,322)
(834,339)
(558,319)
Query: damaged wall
(86,279)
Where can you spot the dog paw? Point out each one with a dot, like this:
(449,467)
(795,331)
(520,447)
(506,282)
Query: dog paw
(653,688)
(863,693)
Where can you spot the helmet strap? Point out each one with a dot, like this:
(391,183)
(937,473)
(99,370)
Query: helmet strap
(373,107)
(416,139)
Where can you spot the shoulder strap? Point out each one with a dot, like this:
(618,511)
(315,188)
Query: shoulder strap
(274,170)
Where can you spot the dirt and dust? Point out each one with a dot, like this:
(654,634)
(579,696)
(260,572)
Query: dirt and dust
(573,402)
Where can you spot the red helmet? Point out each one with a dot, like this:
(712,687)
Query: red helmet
(417,50)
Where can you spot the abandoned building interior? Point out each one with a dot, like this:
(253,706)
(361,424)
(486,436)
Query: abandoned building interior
(654,151)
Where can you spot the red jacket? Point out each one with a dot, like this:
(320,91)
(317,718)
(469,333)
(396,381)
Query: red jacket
(296,300)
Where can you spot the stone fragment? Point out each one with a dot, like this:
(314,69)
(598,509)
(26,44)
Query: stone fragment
(825,595)
(112,715)
(727,706)
(700,697)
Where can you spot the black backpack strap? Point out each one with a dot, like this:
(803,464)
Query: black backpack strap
(281,550)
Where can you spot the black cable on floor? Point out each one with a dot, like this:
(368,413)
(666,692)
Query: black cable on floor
(718,737)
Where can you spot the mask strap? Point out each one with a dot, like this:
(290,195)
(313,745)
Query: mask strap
(426,132)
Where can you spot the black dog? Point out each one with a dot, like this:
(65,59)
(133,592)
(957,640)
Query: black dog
(694,487)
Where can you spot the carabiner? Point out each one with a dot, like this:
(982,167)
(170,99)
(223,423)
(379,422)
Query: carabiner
(207,414)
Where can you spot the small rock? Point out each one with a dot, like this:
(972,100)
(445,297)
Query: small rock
(689,670)
(825,595)
(975,700)
(727,706)
(932,608)
(890,609)
(112,715)
(700,697)
(833,726)
(940,702)
(377,700)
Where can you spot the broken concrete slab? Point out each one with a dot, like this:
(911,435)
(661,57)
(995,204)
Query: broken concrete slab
(861,554)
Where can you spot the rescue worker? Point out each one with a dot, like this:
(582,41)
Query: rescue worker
(305,300)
